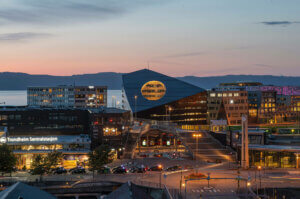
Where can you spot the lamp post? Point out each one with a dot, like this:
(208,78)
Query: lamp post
(170,109)
(135,102)
(160,168)
(238,180)
(248,187)
(196,135)
(259,168)
(181,184)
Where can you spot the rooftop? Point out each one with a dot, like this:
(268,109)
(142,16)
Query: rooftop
(21,190)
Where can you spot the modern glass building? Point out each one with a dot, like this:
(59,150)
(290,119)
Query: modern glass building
(155,96)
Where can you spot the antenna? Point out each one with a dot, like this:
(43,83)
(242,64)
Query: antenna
(148,65)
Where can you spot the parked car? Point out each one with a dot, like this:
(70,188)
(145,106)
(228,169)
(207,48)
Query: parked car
(59,170)
(104,170)
(137,170)
(156,168)
(119,170)
(77,170)
(174,168)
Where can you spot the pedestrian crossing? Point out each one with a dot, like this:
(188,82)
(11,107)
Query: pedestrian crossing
(213,190)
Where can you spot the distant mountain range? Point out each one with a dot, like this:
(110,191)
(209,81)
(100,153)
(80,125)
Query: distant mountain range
(20,81)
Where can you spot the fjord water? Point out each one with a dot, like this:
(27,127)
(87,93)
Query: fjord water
(13,98)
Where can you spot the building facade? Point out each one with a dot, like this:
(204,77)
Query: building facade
(266,105)
(229,105)
(108,126)
(75,132)
(155,96)
(67,96)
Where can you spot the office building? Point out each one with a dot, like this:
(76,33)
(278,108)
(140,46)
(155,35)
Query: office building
(267,105)
(227,105)
(67,96)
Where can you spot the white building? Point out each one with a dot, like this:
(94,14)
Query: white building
(67,96)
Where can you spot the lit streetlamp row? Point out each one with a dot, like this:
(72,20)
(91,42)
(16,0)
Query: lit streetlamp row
(197,135)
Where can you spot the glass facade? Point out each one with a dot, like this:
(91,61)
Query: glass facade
(188,113)
(273,159)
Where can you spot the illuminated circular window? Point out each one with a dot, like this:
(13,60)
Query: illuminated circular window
(153,90)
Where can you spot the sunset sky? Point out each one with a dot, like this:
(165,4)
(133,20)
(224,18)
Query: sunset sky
(176,37)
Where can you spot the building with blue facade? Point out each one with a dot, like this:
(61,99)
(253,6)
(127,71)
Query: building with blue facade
(155,96)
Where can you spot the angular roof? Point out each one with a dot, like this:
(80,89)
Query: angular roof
(175,89)
(24,191)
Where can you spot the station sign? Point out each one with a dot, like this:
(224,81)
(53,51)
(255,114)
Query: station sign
(28,139)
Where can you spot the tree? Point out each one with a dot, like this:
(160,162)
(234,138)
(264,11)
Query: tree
(7,159)
(99,157)
(51,160)
(38,165)
(43,164)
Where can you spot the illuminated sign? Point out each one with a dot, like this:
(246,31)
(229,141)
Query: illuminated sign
(144,143)
(28,139)
(153,90)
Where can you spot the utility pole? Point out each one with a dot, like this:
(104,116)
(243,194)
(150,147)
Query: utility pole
(245,153)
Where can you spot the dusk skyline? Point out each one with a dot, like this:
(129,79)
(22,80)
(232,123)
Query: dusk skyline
(177,38)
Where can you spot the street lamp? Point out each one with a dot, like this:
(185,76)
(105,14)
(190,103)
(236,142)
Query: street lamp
(248,187)
(181,183)
(135,102)
(196,135)
(160,168)
(259,168)
(170,109)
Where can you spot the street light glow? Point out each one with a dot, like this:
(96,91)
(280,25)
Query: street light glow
(197,135)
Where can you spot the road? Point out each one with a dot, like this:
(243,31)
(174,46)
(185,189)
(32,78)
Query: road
(219,188)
